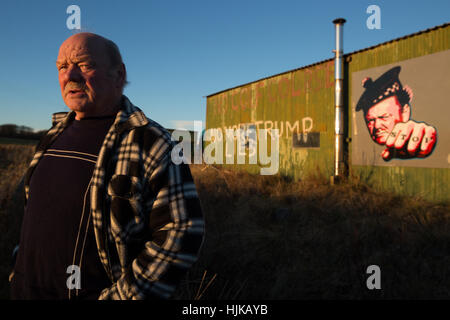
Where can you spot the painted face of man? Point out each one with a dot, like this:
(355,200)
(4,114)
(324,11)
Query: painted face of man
(88,84)
(383,116)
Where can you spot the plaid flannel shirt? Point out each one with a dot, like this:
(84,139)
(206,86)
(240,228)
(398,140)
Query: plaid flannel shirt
(145,209)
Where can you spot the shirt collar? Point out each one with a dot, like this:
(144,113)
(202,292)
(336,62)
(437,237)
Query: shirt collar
(128,117)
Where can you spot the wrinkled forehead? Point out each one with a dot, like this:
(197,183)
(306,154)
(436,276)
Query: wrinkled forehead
(389,105)
(79,46)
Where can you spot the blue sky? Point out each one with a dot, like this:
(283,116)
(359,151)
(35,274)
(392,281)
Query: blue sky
(178,52)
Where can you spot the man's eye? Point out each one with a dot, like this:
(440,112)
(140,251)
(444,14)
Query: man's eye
(85,66)
(62,67)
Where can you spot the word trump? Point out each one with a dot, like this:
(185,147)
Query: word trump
(223,144)
(286,128)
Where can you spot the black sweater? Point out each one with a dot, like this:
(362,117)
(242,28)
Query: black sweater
(54,219)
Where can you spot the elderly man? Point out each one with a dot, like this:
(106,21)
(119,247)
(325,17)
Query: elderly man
(108,215)
(387,112)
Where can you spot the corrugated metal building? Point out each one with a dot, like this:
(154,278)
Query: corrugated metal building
(300,104)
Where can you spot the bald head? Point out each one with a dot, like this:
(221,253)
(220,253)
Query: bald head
(91,74)
(109,48)
(85,37)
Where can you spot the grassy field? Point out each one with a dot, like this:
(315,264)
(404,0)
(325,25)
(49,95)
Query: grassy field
(14,160)
(14,141)
(270,238)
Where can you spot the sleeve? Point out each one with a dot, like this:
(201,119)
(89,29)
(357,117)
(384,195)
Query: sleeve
(176,229)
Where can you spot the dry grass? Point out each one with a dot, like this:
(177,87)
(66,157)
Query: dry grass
(14,160)
(270,238)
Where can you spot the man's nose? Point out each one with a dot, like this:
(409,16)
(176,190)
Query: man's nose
(73,73)
(377,123)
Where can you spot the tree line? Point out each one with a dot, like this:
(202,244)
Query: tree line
(20,132)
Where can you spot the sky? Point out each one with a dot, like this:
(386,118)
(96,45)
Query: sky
(178,52)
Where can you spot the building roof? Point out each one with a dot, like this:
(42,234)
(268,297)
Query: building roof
(331,59)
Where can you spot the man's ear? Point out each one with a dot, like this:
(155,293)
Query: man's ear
(406,113)
(120,74)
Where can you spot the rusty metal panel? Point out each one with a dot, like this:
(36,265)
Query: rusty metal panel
(296,102)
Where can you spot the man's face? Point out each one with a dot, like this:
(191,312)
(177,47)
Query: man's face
(382,117)
(88,86)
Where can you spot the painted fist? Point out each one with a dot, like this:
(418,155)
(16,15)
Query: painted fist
(410,140)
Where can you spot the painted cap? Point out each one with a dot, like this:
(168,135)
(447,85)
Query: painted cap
(387,85)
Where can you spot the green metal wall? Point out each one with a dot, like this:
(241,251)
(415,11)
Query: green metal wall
(289,100)
(309,93)
(429,183)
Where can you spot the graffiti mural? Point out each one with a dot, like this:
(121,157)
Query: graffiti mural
(286,128)
(386,105)
(400,113)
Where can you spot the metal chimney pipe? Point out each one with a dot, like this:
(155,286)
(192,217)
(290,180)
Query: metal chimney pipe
(339,99)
